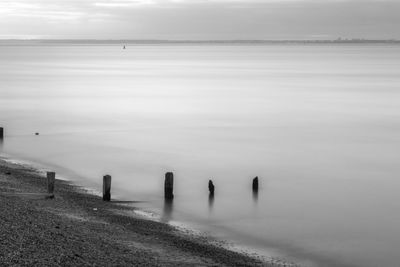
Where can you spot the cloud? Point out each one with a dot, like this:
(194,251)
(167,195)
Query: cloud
(39,9)
(125,3)
(200,19)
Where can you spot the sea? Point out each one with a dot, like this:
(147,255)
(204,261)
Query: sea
(318,124)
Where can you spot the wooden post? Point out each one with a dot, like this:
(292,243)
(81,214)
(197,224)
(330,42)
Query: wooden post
(1,133)
(107,188)
(211,187)
(255,184)
(169,185)
(51,178)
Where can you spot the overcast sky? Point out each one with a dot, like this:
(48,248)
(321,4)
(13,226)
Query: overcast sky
(199,19)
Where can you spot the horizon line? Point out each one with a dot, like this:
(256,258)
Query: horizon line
(205,41)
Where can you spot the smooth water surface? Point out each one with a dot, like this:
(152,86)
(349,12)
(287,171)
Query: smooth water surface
(319,125)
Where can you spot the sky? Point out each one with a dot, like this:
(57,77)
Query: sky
(199,19)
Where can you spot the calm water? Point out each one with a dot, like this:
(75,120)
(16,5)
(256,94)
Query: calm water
(320,126)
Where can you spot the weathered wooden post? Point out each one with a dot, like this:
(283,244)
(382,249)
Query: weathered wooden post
(51,178)
(255,184)
(107,188)
(211,187)
(1,133)
(169,185)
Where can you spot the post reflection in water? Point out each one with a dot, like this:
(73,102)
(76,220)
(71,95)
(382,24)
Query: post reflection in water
(255,196)
(167,211)
(210,201)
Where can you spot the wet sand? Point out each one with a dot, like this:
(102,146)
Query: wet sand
(79,229)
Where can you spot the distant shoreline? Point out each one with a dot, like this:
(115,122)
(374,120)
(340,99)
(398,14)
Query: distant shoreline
(191,42)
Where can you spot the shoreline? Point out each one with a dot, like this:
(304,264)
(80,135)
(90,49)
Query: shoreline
(80,214)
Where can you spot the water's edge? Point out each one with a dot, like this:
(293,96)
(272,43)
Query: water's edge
(234,246)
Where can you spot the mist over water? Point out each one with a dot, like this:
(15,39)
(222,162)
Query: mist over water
(319,126)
